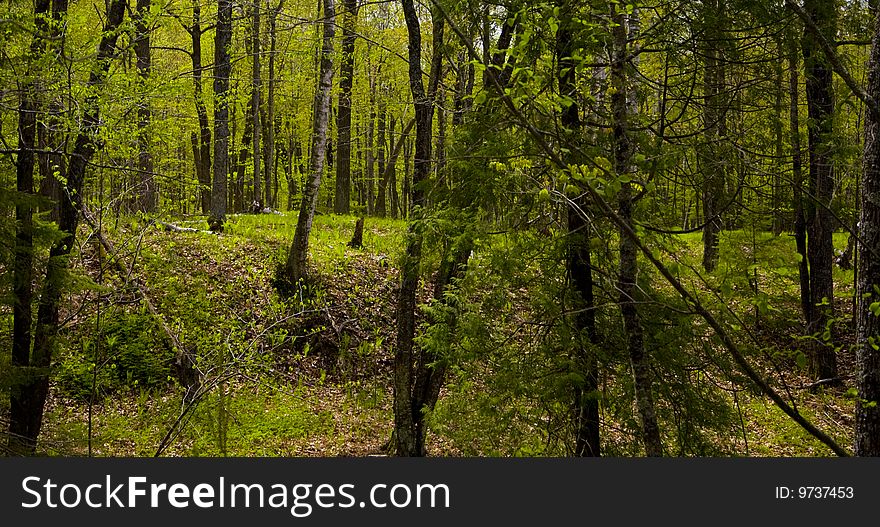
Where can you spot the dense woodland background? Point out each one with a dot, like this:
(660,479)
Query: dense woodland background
(450,227)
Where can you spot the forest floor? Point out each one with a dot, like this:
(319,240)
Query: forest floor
(311,376)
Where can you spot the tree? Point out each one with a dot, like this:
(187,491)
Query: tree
(222,69)
(145,196)
(26,415)
(578,258)
(297,258)
(820,221)
(342,197)
(256,87)
(22,437)
(410,373)
(625,30)
(867,429)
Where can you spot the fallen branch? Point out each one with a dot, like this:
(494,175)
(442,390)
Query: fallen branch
(184,361)
(176,228)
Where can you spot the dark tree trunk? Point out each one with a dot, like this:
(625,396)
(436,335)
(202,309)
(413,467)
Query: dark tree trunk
(712,159)
(26,417)
(256,87)
(145,196)
(52,129)
(627,282)
(357,238)
(867,433)
(22,439)
(343,117)
(409,430)
(380,158)
(370,148)
(297,258)
(269,161)
(579,265)
(800,220)
(407,178)
(222,69)
(714,124)
(203,166)
(820,222)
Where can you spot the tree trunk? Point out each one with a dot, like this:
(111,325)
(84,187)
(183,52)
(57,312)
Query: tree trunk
(145,197)
(343,117)
(800,220)
(627,282)
(269,161)
(578,263)
(370,151)
(380,157)
(297,257)
(26,417)
(203,167)
(256,87)
(408,417)
(52,129)
(820,222)
(712,161)
(222,69)
(867,433)
(22,439)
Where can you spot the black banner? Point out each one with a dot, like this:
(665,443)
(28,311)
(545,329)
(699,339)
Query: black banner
(426,492)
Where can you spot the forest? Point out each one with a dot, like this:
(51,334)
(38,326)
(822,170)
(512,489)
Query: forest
(614,228)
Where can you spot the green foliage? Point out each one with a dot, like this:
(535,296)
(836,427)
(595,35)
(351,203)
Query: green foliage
(127,354)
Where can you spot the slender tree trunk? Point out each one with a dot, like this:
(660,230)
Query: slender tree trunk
(779,152)
(269,161)
(145,197)
(203,167)
(820,222)
(22,440)
(222,70)
(297,258)
(52,130)
(26,417)
(627,282)
(409,431)
(256,87)
(578,261)
(370,151)
(343,116)
(380,158)
(867,433)
(800,220)
(714,126)
(407,177)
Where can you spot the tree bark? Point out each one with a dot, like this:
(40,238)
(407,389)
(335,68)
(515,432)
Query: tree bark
(297,257)
(145,197)
(222,70)
(269,160)
(380,157)
(256,87)
(867,432)
(203,167)
(342,197)
(820,221)
(26,418)
(579,262)
(714,118)
(409,418)
(22,440)
(627,282)
(800,220)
